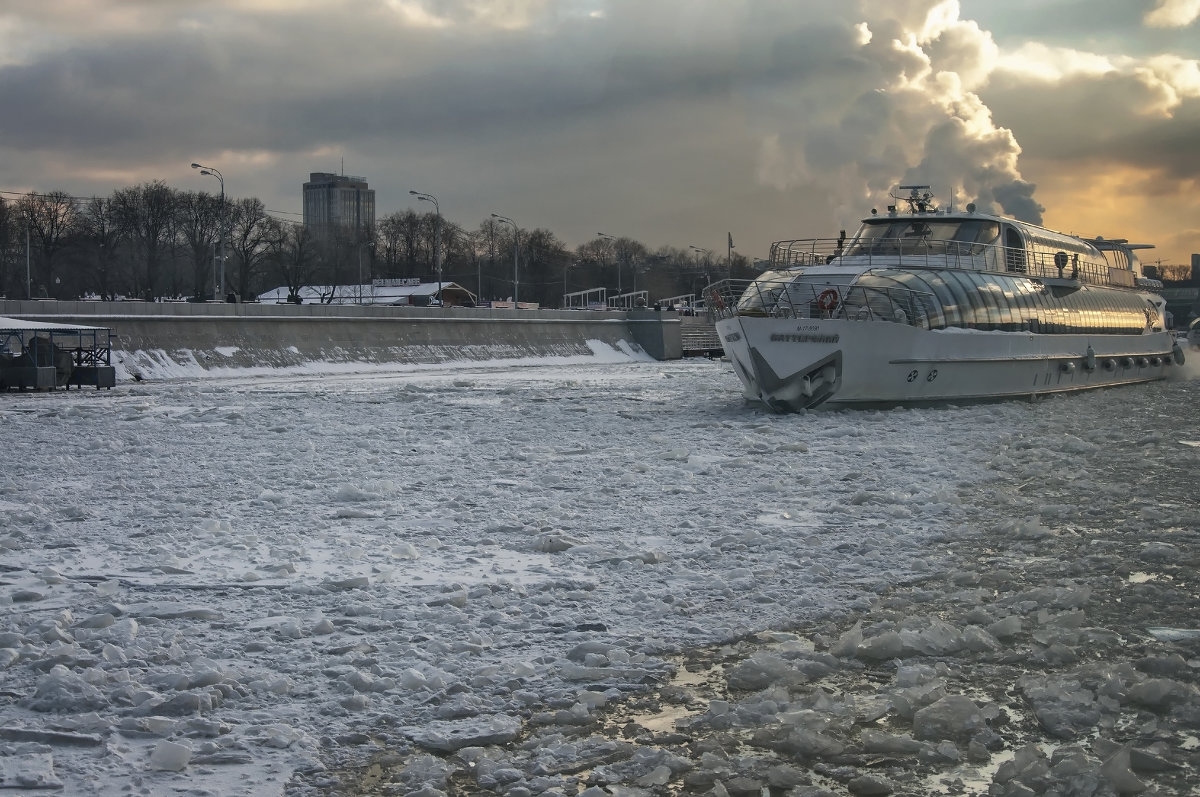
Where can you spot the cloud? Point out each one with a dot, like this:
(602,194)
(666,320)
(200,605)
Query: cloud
(1161,82)
(1173,14)
(902,108)
(663,119)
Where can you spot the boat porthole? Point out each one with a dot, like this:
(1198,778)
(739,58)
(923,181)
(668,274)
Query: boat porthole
(1126,362)
(912,375)
(1108,365)
(1142,362)
(932,375)
(1067,367)
(1154,361)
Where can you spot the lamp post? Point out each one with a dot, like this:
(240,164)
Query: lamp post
(707,253)
(211,172)
(516,247)
(28,281)
(566,267)
(437,238)
(618,260)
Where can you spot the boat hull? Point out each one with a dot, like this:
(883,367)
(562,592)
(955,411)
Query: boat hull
(799,363)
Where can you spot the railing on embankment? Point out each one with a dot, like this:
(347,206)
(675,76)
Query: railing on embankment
(254,335)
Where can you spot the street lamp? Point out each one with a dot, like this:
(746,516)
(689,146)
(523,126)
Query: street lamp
(28,260)
(516,245)
(437,238)
(618,261)
(566,267)
(211,172)
(707,254)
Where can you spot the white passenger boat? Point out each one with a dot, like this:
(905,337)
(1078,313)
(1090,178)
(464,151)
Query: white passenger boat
(929,305)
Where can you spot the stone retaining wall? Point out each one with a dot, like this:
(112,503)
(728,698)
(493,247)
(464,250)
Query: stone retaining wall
(255,335)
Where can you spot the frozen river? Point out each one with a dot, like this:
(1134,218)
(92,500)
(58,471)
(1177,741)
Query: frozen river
(254,585)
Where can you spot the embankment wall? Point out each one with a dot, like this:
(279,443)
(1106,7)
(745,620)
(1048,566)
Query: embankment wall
(255,335)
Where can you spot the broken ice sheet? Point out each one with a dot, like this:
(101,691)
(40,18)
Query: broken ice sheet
(1174,634)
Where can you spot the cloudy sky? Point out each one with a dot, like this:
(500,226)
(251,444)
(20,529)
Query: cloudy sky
(672,121)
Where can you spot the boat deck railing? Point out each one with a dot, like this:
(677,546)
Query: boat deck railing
(926,252)
(784,298)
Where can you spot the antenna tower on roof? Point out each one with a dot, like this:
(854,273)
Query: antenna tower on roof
(920,199)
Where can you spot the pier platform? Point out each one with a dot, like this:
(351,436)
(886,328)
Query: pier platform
(40,355)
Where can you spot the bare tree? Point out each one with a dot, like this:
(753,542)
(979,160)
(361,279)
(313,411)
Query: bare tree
(1175,272)
(151,240)
(100,230)
(11,244)
(249,234)
(199,218)
(292,249)
(51,218)
(390,243)
(509,245)
(146,212)
(410,238)
(543,259)
(463,257)
(488,237)
(594,256)
(628,253)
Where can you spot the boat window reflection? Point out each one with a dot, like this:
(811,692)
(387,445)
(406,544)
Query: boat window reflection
(975,300)
(924,237)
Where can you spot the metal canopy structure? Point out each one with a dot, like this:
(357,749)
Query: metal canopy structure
(378,292)
(43,355)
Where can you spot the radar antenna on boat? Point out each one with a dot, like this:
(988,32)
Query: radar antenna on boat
(919,199)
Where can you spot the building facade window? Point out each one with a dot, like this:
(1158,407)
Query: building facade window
(338,207)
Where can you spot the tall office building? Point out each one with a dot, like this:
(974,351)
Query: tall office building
(337,206)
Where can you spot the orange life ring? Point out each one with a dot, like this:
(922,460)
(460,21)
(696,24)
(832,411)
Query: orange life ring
(828,299)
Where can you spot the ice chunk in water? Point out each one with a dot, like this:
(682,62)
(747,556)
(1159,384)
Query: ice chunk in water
(952,717)
(170,756)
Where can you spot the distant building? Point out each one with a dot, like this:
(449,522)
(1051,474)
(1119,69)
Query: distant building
(1183,296)
(337,206)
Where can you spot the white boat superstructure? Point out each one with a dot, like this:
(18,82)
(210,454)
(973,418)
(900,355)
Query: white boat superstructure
(931,306)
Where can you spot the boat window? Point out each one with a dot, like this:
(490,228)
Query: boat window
(899,237)
(999,291)
(763,294)
(905,236)
(895,296)
(1093,318)
(973,310)
(1116,258)
(952,303)
(957,298)
(1028,301)
(975,235)
(1014,259)
(991,298)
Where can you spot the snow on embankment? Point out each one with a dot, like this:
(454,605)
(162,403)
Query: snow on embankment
(172,340)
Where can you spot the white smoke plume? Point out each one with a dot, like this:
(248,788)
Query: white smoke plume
(906,111)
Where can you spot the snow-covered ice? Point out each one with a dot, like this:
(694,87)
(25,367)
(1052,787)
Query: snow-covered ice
(252,584)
